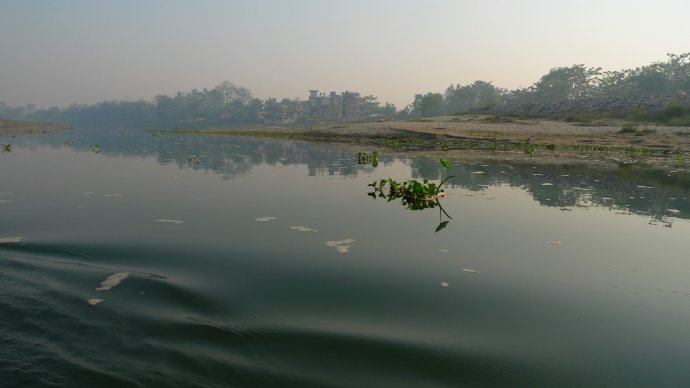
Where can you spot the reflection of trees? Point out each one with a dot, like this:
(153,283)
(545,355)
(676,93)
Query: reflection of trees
(637,189)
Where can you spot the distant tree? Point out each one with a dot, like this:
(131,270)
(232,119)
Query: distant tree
(480,94)
(427,105)
(567,83)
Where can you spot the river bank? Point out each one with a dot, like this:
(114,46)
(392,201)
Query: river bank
(15,127)
(495,136)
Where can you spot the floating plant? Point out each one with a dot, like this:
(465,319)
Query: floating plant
(415,195)
(7,147)
(368,158)
(95,148)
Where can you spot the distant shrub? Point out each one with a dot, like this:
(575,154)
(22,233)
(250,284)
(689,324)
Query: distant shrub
(628,128)
(675,110)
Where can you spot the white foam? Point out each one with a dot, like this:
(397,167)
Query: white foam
(340,246)
(168,221)
(112,281)
(94,301)
(303,229)
(10,240)
(673,210)
(265,219)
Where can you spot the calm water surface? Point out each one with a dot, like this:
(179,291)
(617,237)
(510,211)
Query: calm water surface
(546,275)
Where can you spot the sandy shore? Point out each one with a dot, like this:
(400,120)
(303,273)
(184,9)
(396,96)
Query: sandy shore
(541,132)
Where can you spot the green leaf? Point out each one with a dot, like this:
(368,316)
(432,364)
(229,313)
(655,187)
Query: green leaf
(441,226)
(446,164)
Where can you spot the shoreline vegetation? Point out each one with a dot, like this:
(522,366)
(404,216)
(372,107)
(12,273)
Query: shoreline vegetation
(14,127)
(498,137)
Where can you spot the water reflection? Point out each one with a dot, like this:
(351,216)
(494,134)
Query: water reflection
(657,193)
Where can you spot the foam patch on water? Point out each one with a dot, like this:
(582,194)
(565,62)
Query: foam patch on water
(10,240)
(112,281)
(673,210)
(265,219)
(340,245)
(94,301)
(168,221)
(303,229)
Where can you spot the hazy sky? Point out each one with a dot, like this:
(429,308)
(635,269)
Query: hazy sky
(59,52)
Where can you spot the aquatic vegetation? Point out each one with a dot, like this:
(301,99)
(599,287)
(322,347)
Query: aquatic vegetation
(7,147)
(530,149)
(368,158)
(95,149)
(415,195)
(194,158)
(112,281)
(340,246)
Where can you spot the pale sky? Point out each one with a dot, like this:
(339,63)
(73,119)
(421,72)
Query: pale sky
(85,51)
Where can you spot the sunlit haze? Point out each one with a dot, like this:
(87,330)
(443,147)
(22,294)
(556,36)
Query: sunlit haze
(60,52)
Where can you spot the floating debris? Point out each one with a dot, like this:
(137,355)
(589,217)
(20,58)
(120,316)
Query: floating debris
(554,242)
(443,250)
(168,221)
(94,301)
(444,284)
(676,211)
(340,245)
(477,172)
(547,184)
(644,187)
(538,174)
(112,281)
(10,240)
(265,219)
(112,195)
(303,229)
(469,270)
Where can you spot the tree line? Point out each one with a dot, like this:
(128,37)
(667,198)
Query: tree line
(225,104)
(562,83)
(228,103)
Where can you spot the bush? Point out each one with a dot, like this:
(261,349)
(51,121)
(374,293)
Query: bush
(675,110)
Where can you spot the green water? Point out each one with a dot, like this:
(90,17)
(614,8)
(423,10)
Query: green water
(546,275)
